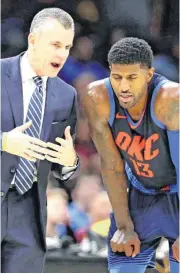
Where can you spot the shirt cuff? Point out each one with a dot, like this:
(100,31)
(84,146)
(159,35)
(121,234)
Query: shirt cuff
(67,171)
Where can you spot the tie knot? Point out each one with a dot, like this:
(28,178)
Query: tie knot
(38,81)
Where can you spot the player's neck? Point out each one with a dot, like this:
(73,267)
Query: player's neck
(136,111)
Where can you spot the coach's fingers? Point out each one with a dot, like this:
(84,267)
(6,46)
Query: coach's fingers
(30,158)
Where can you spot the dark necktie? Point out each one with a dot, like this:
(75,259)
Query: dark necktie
(25,171)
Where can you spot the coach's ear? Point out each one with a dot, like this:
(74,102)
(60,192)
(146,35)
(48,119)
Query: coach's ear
(150,74)
(30,39)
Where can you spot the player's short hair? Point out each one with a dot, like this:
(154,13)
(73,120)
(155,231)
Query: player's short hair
(131,50)
(60,15)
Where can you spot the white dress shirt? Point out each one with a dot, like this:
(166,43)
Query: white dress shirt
(28,85)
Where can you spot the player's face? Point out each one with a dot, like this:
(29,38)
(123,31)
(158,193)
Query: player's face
(49,48)
(130,83)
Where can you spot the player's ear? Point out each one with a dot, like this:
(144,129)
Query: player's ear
(150,74)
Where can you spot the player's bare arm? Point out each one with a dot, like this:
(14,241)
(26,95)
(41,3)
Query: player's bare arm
(167,111)
(167,105)
(95,103)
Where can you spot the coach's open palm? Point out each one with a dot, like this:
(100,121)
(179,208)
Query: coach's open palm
(126,241)
(64,153)
(18,143)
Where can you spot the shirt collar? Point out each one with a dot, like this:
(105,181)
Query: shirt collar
(27,73)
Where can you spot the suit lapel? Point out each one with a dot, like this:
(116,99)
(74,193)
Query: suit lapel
(13,84)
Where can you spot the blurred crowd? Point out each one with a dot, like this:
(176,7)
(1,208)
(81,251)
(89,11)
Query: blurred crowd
(78,211)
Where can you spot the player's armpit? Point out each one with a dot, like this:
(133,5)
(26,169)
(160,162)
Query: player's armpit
(96,108)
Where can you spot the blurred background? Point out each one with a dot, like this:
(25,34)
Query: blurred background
(78,211)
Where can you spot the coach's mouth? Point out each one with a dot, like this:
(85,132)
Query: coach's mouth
(55,65)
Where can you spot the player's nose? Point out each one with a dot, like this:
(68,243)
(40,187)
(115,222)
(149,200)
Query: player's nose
(125,87)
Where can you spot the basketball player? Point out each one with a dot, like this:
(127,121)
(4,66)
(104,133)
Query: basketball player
(133,118)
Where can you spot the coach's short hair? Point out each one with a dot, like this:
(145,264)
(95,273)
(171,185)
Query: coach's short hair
(131,50)
(60,15)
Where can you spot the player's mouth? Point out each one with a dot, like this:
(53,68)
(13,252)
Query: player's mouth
(125,98)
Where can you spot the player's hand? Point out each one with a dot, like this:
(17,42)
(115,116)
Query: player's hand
(175,250)
(126,241)
(18,143)
(64,153)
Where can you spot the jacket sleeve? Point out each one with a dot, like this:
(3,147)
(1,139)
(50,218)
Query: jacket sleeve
(61,172)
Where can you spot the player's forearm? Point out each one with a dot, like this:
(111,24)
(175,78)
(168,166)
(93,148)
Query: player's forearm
(113,173)
(116,185)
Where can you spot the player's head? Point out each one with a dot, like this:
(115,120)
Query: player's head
(130,61)
(50,39)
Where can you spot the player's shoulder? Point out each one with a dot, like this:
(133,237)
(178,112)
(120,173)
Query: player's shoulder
(166,105)
(95,100)
(169,90)
(96,91)
(167,93)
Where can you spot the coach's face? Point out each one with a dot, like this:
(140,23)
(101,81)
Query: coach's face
(48,48)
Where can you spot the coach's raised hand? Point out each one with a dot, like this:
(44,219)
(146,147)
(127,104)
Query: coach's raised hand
(64,153)
(18,143)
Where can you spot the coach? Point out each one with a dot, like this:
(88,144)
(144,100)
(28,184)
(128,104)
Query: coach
(38,117)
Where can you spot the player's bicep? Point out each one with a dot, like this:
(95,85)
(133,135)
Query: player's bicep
(172,115)
(167,106)
(173,138)
(171,109)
